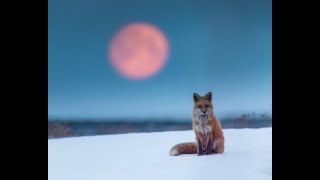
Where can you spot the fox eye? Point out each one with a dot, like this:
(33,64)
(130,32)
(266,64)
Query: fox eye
(206,106)
(199,106)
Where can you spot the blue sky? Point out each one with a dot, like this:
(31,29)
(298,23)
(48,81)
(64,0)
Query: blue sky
(219,46)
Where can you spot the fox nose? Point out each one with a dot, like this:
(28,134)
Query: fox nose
(204,111)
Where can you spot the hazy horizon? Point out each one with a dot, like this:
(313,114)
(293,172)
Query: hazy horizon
(181,117)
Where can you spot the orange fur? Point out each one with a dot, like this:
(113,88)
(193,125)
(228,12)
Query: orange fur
(184,148)
(214,137)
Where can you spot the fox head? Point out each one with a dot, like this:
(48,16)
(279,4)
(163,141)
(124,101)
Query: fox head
(202,106)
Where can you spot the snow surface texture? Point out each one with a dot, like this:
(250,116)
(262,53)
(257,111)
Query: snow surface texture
(145,156)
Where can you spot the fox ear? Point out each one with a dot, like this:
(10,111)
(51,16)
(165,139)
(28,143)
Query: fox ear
(196,97)
(209,96)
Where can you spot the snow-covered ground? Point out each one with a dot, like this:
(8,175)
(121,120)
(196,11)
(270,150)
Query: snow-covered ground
(145,156)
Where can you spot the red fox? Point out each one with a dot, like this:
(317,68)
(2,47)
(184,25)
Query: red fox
(209,135)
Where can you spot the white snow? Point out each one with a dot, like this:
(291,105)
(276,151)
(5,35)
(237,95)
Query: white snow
(145,156)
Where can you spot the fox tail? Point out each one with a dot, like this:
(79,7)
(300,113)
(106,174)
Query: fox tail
(184,148)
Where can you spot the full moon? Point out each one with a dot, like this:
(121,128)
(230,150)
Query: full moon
(138,50)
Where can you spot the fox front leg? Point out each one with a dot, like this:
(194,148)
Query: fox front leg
(200,149)
(209,147)
(204,142)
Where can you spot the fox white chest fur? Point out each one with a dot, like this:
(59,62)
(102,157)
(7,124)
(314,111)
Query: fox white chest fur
(203,128)
(202,119)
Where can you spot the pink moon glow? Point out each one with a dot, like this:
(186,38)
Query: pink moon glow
(138,50)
